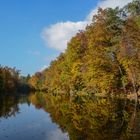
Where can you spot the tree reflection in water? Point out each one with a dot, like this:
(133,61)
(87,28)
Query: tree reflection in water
(92,118)
(83,117)
(9,104)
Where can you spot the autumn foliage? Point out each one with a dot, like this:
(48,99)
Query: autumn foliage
(104,58)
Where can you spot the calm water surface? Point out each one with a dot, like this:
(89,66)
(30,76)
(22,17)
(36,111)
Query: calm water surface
(42,116)
(21,120)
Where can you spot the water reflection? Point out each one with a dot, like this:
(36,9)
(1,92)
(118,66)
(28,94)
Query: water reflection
(21,120)
(83,118)
(86,118)
(8,106)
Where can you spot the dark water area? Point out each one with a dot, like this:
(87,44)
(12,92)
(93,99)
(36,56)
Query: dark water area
(40,116)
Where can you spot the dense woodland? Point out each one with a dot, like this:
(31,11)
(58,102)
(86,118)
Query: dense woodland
(11,81)
(104,58)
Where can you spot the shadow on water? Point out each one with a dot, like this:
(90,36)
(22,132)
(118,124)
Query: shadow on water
(83,118)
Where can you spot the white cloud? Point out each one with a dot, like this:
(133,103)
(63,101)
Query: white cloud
(57,35)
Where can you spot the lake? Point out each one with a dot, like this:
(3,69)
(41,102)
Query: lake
(21,120)
(39,116)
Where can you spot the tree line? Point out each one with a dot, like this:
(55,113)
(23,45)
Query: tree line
(12,81)
(104,58)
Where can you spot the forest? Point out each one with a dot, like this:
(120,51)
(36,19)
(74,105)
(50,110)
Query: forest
(11,81)
(103,58)
(89,92)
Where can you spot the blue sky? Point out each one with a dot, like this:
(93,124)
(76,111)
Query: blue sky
(30,30)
